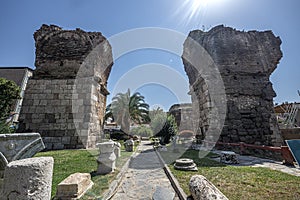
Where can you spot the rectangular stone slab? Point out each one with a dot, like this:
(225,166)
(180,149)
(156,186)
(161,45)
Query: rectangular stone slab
(74,186)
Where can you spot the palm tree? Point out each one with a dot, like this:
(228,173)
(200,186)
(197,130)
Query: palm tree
(126,108)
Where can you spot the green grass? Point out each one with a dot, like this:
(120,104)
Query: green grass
(101,182)
(67,162)
(238,182)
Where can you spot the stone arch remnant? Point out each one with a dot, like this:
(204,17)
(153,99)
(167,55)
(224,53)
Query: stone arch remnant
(245,61)
(66,97)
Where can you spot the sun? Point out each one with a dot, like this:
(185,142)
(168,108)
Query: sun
(194,11)
(197,5)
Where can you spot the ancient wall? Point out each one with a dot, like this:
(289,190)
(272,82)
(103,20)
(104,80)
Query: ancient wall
(245,61)
(65,100)
(183,116)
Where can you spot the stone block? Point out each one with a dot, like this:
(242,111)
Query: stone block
(58,146)
(66,140)
(117,150)
(185,164)
(74,186)
(29,178)
(20,145)
(202,189)
(229,157)
(107,157)
(129,144)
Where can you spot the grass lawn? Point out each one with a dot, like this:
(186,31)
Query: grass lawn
(67,162)
(238,182)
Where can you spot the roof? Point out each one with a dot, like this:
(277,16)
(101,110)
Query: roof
(180,106)
(283,108)
(15,74)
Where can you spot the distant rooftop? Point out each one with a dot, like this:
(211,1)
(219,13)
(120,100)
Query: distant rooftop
(15,74)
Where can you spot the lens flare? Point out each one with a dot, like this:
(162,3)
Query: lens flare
(192,13)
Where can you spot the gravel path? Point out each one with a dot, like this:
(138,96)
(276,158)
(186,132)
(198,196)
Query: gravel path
(144,177)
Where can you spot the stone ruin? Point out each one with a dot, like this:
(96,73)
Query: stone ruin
(203,189)
(65,99)
(74,186)
(183,114)
(16,151)
(18,146)
(29,178)
(245,61)
(185,164)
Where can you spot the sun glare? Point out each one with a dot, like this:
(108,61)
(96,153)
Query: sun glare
(194,11)
(197,5)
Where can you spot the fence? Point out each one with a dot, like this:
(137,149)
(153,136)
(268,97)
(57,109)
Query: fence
(287,156)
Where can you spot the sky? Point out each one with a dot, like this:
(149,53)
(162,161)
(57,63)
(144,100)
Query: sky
(20,19)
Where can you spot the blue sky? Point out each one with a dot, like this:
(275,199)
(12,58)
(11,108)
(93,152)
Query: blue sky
(19,20)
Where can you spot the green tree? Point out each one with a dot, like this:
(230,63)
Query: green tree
(9,93)
(143,131)
(126,108)
(168,130)
(158,118)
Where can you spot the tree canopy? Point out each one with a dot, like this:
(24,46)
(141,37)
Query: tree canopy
(143,131)
(163,125)
(168,130)
(126,109)
(9,93)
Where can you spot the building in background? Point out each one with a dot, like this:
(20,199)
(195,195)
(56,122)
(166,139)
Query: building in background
(20,76)
(288,114)
(183,114)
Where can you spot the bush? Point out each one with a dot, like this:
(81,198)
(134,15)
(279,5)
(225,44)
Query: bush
(9,92)
(117,135)
(6,128)
(142,131)
(168,131)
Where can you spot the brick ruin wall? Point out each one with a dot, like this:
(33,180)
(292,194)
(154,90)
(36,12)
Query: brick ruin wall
(245,61)
(66,97)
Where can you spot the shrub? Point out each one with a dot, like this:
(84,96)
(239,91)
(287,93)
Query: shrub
(143,131)
(9,92)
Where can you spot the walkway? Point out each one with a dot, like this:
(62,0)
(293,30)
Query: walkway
(144,177)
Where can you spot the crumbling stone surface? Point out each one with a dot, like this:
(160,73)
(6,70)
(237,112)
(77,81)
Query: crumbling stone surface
(60,53)
(202,189)
(245,61)
(29,178)
(66,98)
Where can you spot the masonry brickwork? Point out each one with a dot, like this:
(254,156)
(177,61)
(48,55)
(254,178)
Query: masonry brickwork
(245,61)
(66,97)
